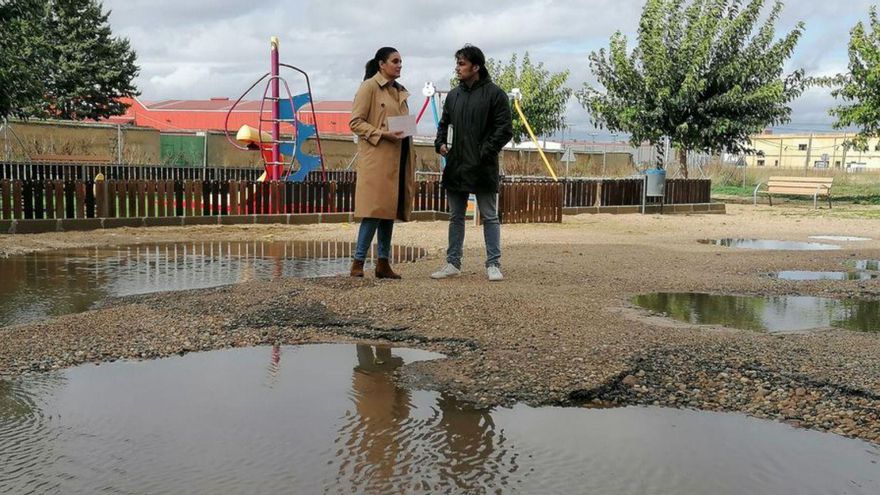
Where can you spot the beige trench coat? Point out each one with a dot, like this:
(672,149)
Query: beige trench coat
(378,162)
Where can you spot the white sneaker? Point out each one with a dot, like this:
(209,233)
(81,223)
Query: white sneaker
(494,274)
(447,271)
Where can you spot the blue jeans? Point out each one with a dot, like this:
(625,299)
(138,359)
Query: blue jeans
(368,229)
(487,204)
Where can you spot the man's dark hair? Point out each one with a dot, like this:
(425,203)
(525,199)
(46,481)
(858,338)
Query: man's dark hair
(475,56)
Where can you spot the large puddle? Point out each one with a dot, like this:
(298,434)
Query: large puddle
(870,265)
(840,238)
(769,314)
(331,419)
(52,283)
(803,275)
(771,245)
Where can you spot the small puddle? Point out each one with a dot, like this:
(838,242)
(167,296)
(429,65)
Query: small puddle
(800,275)
(869,265)
(774,314)
(770,245)
(842,238)
(53,283)
(332,419)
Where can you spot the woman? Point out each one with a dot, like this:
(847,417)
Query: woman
(385,178)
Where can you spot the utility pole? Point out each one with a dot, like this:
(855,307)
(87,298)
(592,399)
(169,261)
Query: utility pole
(119,144)
(779,163)
(6,150)
(809,151)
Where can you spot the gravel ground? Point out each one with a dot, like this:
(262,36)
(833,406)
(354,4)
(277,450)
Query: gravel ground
(558,330)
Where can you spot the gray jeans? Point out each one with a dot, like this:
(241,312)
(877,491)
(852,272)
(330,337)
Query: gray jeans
(487,204)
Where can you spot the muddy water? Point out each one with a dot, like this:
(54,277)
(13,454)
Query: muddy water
(38,285)
(803,275)
(840,238)
(772,245)
(870,265)
(769,314)
(332,419)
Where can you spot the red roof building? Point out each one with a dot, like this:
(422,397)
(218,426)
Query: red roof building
(202,115)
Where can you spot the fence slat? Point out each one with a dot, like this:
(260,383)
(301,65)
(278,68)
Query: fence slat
(142,198)
(80,189)
(132,194)
(101,199)
(16,199)
(6,198)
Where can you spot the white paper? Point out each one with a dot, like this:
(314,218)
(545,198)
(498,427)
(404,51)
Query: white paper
(405,123)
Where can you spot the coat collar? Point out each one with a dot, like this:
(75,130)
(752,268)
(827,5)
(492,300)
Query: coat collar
(403,94)
(480,82)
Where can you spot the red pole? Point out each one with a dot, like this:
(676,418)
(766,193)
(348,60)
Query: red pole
(275,169)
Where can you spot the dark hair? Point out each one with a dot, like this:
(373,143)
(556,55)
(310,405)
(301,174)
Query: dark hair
(382,55)
(475,56)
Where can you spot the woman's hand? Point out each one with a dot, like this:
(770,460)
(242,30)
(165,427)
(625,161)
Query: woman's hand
(392,136)
(444,150)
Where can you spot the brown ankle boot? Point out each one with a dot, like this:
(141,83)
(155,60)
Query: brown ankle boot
(383,269)
(357,268)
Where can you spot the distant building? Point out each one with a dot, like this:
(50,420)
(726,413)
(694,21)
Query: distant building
(210,115)
(816,151)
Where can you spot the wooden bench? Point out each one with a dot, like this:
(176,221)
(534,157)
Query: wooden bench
(797,186)
(71,159)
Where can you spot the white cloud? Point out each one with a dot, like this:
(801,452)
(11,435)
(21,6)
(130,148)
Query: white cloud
(180,78)
(204,48)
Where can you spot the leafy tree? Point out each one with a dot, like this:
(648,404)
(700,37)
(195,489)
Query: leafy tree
(860,88)
(59,59)
(544,95)
(88,69)
(704,73)
(21,43)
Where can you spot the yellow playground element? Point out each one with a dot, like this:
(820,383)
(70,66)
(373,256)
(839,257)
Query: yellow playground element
(251,137)
(516,94)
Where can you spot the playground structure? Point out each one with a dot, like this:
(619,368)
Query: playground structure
(516,96)
(279,155)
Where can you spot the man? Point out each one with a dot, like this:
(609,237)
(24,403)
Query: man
(477,113)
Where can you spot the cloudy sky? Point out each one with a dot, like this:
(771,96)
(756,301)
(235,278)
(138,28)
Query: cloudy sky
(196,49)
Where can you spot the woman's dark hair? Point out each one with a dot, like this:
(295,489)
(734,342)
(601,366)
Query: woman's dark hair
(475,56)
(382,55)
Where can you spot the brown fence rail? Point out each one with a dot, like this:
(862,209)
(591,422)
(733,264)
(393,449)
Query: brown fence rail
(88,171)
(61,170)
(331,175)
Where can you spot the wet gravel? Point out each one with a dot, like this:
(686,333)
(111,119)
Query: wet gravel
(558,330)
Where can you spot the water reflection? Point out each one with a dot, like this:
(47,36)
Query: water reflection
(869,265)
(843,238)
(53,283)
(769,314)
(335,421)
(383,445)
(770,244)
(801,275)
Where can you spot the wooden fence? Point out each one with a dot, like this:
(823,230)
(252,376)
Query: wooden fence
(520,201)
(524,202)
(628,192)
(56,199)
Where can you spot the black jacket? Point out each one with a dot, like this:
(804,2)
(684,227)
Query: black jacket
(481,126)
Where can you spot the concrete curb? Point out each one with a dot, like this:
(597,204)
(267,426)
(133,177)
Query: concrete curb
(85,224)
